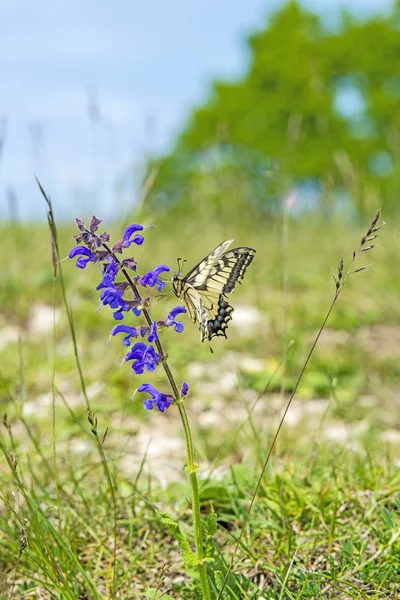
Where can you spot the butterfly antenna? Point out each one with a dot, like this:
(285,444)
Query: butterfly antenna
(163,295)
(181,262)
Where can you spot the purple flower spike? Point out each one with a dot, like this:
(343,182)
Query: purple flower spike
(153,332)
(85,256)
(170,320)
(185,389)
(152,277)
(144,357)
(109,274)
(129,232)
(161,401)
(113,297)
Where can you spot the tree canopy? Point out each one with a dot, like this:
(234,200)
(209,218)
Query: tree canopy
(322,104)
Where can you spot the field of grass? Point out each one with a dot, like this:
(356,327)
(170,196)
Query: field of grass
(81,519)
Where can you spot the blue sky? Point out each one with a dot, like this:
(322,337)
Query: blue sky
(140,66)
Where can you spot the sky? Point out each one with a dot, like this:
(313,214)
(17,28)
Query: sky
(90,89)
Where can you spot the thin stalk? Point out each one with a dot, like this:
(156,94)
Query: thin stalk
(340,281)
(191,466)
(264,467)
(53,405)
(57,266)
(285,290)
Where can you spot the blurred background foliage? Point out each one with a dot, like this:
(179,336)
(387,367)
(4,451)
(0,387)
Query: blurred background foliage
(317,111)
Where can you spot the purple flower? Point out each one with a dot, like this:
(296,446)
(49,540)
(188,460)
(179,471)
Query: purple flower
(129,232)
(113,297)
(132,332)
(86,256)
(184,389)
(144,357)
(161,401)
(126,240)
(109,274)
(153,332)
(152,277)
(170,320)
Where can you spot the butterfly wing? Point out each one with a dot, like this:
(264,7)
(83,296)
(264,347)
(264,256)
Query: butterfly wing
(204,288)
(223,272)
(195,307)
(200,272)
(210,310)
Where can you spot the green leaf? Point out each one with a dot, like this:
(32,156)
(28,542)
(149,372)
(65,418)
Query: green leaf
(219,580)
(348,548)
(214,492)
(188,556)
(211,528)
(211,522)
(387,518)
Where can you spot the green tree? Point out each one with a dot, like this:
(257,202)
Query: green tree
(285,111)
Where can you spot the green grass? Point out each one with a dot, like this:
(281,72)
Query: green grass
(325,523)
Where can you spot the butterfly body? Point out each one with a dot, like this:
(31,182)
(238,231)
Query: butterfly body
(203,290)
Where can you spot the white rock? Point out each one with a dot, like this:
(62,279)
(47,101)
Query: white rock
(7,335)
(245,318)
(337,432)
(196,370)
(215,474)
(294,415)
(222,384)
(252,365)
(81,446)
(93,389)
(156,446)
(165,456)
(208,418)
(392,436)
(39,407)
(42,318)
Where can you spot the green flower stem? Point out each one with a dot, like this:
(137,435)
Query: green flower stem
(191,466)
(191,469)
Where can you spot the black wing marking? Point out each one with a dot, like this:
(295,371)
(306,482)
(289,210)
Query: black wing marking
(218,325)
